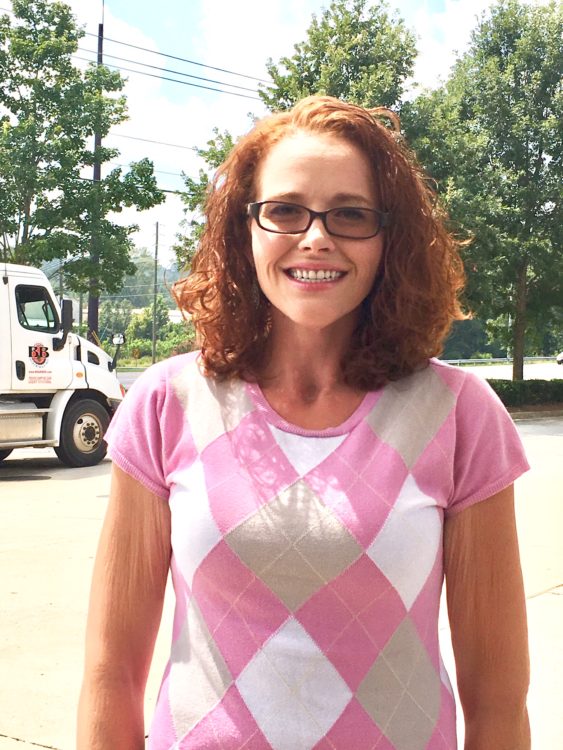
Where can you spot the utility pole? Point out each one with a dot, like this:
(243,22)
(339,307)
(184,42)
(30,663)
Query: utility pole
(93,294)
(154,296)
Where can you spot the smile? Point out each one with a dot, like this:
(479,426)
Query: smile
(304,274)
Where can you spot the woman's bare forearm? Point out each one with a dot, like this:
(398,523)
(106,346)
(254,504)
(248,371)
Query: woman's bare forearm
(495,729)
(126,601)
(487,611)
(110,714)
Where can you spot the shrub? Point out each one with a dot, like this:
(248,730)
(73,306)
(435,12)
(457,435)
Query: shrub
(528,392)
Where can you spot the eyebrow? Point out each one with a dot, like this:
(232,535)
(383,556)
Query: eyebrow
(339,199)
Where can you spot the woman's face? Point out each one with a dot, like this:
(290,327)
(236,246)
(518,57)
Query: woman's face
(320,172)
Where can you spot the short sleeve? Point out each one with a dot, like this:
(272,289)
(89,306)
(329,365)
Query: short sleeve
(489,454)
(135,435)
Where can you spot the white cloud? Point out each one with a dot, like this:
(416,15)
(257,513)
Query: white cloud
(442,36)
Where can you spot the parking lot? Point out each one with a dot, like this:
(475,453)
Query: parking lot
(51,518)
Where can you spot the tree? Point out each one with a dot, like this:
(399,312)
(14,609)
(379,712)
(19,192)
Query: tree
(355,51)
(214,155)
(115,317)
(492,138)
(141,323)
(49,205)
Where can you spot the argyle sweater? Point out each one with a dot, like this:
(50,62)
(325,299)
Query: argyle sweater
(307,564)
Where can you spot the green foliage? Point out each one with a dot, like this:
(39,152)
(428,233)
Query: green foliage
(115,317)
(493,140)
(141,325)
(355,51)
(50,113)
(528,392)
(177,338)
(468,340)
(218,148)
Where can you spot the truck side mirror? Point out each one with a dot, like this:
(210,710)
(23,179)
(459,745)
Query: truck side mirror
(66,324)
(67,315)
(118,340)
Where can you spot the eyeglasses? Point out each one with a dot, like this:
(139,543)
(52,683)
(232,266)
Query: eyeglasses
(350,222)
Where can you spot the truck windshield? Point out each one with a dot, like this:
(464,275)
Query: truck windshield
(35,309)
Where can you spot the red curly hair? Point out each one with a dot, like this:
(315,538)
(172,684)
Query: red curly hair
(414,299)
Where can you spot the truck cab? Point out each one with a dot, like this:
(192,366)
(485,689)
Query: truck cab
(56,388)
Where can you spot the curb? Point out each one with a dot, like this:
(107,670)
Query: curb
(540,414)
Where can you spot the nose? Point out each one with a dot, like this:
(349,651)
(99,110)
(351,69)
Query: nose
(317,237)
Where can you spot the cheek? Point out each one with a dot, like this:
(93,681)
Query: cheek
(267,247)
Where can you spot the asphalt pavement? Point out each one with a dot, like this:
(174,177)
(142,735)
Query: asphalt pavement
(51,518)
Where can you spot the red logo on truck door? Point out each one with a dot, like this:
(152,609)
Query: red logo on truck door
(39,354)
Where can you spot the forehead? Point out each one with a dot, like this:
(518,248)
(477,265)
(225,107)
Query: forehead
(305,162)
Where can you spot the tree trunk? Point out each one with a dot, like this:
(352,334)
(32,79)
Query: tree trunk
(519,330)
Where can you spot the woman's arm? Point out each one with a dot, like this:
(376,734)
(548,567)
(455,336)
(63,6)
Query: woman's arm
(126,601)
(487,613)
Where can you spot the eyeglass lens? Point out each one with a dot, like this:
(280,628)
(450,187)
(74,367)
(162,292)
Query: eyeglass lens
(291,218)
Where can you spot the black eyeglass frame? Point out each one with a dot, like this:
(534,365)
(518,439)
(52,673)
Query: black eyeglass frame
(253,210)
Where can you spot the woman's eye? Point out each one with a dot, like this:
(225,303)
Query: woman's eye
(349,214)
(282,210)
(283,213)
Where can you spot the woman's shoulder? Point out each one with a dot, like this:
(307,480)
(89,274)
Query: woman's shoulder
(438,388)
(463,381)
(439,376)
(160,375)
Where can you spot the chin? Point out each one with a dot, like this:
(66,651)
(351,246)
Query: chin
(315,321)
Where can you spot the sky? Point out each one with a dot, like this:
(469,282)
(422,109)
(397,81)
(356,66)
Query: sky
(235,35)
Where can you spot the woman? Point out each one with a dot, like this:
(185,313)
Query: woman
(311,475)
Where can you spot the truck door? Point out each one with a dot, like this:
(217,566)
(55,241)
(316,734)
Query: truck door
(35,324)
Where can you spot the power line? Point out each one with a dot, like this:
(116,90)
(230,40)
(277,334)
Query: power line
(156,171)
(162,190)
(181,59)
(148,140)
(170,57)
(172,80)
(169,70)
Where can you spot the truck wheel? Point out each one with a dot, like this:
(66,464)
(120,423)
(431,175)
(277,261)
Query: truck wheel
(84,425)
(4,454)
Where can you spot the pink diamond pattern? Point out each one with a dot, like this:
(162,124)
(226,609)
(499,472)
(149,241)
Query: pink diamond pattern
(228,726)
(240,611)
(354,729)
(355,632)
(362,498)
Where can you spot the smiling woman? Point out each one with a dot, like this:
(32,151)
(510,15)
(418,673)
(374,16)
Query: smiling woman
(312,475)
(398,327)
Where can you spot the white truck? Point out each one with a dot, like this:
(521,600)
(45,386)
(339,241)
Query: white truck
(56,388)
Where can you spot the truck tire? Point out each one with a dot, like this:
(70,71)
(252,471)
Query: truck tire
(5,453)
(83,428)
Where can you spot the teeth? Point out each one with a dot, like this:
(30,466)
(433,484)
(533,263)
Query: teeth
(309,275)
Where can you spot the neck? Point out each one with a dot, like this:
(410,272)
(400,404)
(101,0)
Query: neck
(305,361)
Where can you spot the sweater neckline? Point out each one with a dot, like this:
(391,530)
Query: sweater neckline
(276,420)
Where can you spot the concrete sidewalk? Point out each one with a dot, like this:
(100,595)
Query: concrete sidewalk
(51,519)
